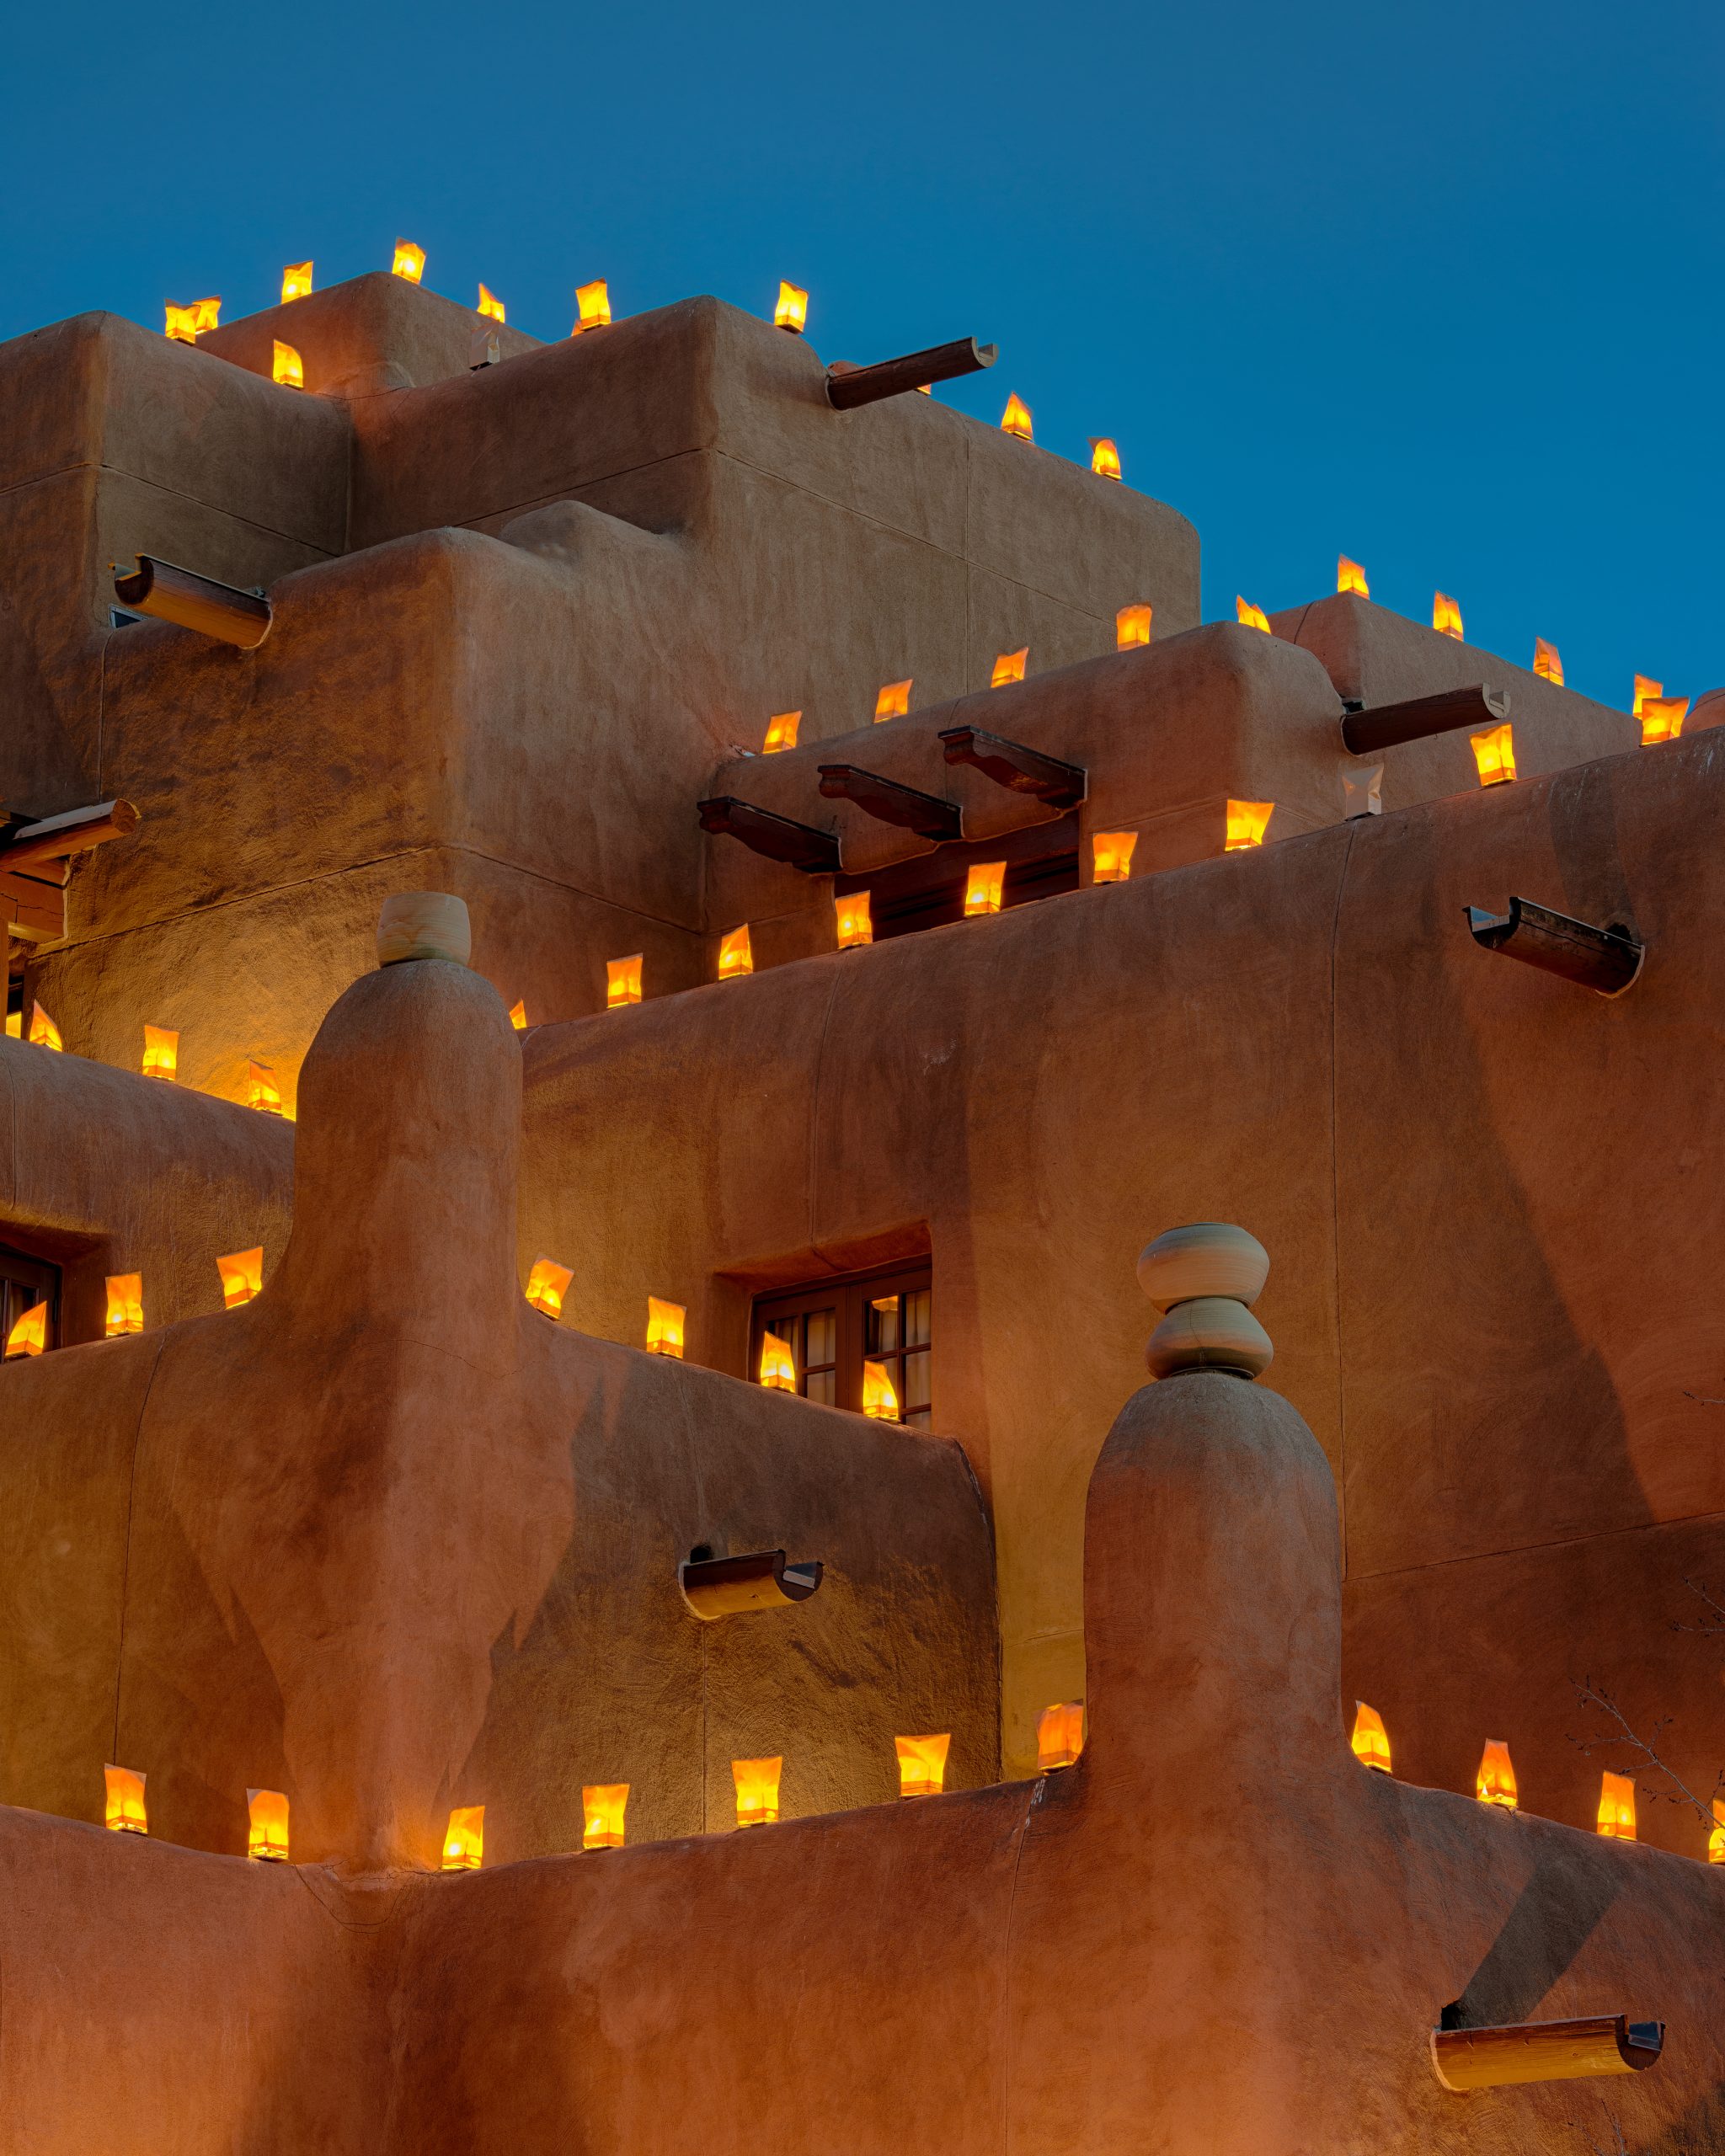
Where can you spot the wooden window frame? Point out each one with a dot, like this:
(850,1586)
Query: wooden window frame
(848,1296)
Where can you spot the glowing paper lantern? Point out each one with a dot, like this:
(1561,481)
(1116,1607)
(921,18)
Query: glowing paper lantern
(792,312)
(892,701)
(547,1283)
(855,925)
(182,324)
(1132,627)
(1111,855)
(518,1017)
(1446,616)
(1250,616)
(43,1032)
(1370,1740)
(778,1368)
(880,1399)
(1015,419)
(602,1808)
(296,282)
(736,954)
(464,1842)
(29,1336)
(161,1052)
(622,982)
(984,886)
(592,307)
(490,304)
(262,1091)
(287,366)
(124,1810)
(242,1277)
(781,732)
(1547,662)
(757,1790)
(665,1327)
(1350,577)
(1645,687)
(266,1826)
(125,1305)
(1616,1818)
(1716,1840)
(1495,1782)
(1009,667)
(922,1764)
(1059,1735)
(1495,753)
(1662,719)
(409,261)
(1104,457)
(1248,822)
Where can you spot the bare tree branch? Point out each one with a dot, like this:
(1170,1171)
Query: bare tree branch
(1596,1697)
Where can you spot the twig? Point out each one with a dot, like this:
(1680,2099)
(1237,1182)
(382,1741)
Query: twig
(1593,1696)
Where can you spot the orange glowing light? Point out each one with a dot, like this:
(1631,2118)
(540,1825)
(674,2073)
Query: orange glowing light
(1547,663)
(1132,627)
(286,367)
(1662,719)
(14,1025)
(262,1091)
(125,1305)
(518,1017)
(1250,616)
(1248,822)
(242,1277)
(296,282)
(1644,688)
(124,1810)
(1616,1819)
(665,1327)
(1495,1783)
(29,1336)
(855,925)
(1111,855)
(592,306)
(736,954)
(622,982)
(757,1790)
(464,1843)
(778,1368)
(892,701)
(1495,752)
(161,1052)
(602,1808)
(878,1398)
(1059,1735)
(409,261)
(1009,667)
(182,325)
(489,303)
(1350,577)
(984,885)
(206,314)
(792,312)
(547,1283)
(1446,616)
(1015,419)
(1716,1840)
(266,1826)
(1104,457)
(43,1032)
(922,1764)
(1370,1740)
(781,732)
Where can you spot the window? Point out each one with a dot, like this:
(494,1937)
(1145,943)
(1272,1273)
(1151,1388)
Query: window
(834,1328)
(25,1282)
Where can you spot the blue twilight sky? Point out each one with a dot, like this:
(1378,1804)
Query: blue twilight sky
(1438,286)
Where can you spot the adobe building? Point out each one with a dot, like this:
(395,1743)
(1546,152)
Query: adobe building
(615,946)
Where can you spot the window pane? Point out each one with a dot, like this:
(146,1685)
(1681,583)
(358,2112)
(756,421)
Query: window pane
(824,1386)
(884,1326)
(915,1393)
(916,1317)
(822,1337)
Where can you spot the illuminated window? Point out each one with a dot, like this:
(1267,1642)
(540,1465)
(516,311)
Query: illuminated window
(834,1328)
(25,1282)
